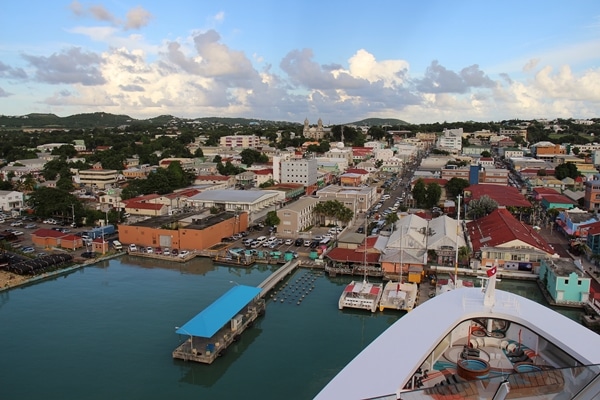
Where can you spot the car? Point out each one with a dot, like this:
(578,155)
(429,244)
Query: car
(306,243)
(273,245)
(236,236)
(149,249)
(30,226)
(360,230)
(50,221)
(88,254)
(16,223)
(158,250)
(28,250)
(132,247)
(184,253)
(17,233)
(318,237)
(298,242)
(64,230)
(166,251)
(288,242)
(2,220)
(280,241)
(174,252)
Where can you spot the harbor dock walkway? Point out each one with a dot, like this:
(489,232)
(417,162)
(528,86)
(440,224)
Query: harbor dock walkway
(220,324)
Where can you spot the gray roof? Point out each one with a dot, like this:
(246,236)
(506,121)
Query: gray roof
(233,196)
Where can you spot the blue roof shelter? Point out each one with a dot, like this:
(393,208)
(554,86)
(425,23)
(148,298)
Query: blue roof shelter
(214,317)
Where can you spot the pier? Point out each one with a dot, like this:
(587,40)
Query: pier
(220,324)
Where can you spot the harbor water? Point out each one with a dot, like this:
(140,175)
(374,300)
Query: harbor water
(108,330)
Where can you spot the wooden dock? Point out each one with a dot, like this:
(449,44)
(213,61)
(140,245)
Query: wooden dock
(206,350)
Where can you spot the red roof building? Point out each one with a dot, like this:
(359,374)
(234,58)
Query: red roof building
(505,196)
(502,232)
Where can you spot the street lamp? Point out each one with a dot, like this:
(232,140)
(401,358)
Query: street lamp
(191,338)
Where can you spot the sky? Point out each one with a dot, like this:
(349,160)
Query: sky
(342,61)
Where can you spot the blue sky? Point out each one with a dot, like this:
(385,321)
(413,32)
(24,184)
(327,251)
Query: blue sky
(342,61)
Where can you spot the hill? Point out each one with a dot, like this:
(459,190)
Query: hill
(380,122)
(107,120)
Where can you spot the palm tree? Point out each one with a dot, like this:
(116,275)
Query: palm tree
(391,218)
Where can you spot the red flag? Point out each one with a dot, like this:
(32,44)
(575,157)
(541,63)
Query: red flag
(491,271)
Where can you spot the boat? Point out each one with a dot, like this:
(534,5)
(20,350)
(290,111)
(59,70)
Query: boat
(362,295)
(398,296)
(475,343)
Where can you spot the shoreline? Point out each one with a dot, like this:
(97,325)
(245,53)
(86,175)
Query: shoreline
(9,280)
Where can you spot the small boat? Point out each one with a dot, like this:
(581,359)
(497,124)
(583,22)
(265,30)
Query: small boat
(398,296)
(362,295)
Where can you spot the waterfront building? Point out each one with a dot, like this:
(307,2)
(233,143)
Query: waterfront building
(49,238)
(190,231)
(501,238)
(565,281)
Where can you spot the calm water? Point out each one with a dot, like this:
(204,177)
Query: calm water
(107,331)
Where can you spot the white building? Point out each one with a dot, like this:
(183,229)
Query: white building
(10,199)
(302,171)
(255,202)
(383,154)
(451,140)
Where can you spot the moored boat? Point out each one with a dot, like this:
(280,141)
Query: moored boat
(362,295)
(398,296)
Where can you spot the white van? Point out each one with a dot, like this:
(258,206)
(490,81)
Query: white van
(261,239)
(117,245)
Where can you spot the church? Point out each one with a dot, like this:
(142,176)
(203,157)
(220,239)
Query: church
(315,132)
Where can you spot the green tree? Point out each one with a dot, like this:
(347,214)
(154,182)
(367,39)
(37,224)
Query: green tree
(272,219)
(391,218)
(481,207)
(486,153)
(433,195)
(48,202)
(419,193)
(199,153)
(455,186)
(565,170)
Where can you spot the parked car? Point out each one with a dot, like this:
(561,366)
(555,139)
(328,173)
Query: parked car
(158,250)
(16,223)
(174,252)
(28,250)
(306,243)
(88,254)
(166,251)
(289,242)
(132,247)
(149,249)
(298,242)
(30,226)
(183,253)
(50,221)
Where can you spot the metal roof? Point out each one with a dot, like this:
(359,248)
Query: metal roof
(214,317)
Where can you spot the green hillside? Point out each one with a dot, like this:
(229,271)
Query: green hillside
(380,122)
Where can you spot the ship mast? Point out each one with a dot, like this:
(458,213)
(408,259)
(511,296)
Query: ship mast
(457,236)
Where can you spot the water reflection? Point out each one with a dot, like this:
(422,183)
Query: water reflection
(207,375)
